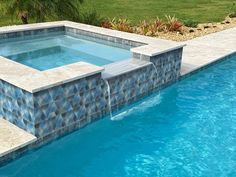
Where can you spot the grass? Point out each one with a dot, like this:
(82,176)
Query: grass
(136,10)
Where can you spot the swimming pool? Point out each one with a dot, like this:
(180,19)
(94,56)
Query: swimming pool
(47,52)
(187,130)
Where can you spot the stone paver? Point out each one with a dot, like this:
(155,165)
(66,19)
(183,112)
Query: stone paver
(122,67)
(12,137)
(207,49)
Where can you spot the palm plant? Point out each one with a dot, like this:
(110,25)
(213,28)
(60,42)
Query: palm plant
(40,9)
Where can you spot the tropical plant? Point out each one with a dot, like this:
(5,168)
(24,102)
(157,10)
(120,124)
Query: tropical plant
(158,23)
(143,28)
(121,25)
(41,9)
(150,28)
(66,9)
(173,24)
(157,26)
(23,16)
(106,24)
(91,17)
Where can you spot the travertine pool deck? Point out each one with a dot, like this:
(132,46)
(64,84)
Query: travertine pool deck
(12,137)
(204,50)
(33,80)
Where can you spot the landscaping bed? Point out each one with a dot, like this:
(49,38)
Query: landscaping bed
(188,33)
(170,28)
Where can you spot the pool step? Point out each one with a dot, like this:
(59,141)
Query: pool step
(13,138)
(121,67)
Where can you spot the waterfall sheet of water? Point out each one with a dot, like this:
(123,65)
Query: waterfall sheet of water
(156,100)
(109,97)
(121,114)
(139,107)
(155,68)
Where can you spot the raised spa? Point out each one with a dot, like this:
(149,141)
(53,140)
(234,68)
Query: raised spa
(58,77)
(51,51)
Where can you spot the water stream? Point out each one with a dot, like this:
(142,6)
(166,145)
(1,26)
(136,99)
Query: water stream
(109,96)
(118,117)
(155,68)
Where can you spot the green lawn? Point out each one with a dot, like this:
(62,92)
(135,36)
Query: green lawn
(136,10)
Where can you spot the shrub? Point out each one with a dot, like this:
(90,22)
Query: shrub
(41,10)
(121,25)
(143,27)
(190,23)
(173,24)
(91,17)
(106,24)
(24,17)
(233,11)
(158,24)
(150,28)
(87,15)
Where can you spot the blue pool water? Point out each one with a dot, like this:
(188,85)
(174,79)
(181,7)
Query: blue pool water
(187,130)
(50,52)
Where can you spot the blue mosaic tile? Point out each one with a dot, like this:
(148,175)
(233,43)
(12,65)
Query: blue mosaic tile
(68,117)
(79,112)
(56,93)
(29,34)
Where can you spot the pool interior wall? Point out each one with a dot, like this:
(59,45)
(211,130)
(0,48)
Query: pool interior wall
(53,112)
(48,50)
(64,30)
(57,51)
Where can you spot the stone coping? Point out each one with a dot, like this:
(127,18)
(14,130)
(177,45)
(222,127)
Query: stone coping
(13,138)
(160,45)
(123,67)
(152,50)
(205,50)
(34,26)
(32,80)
